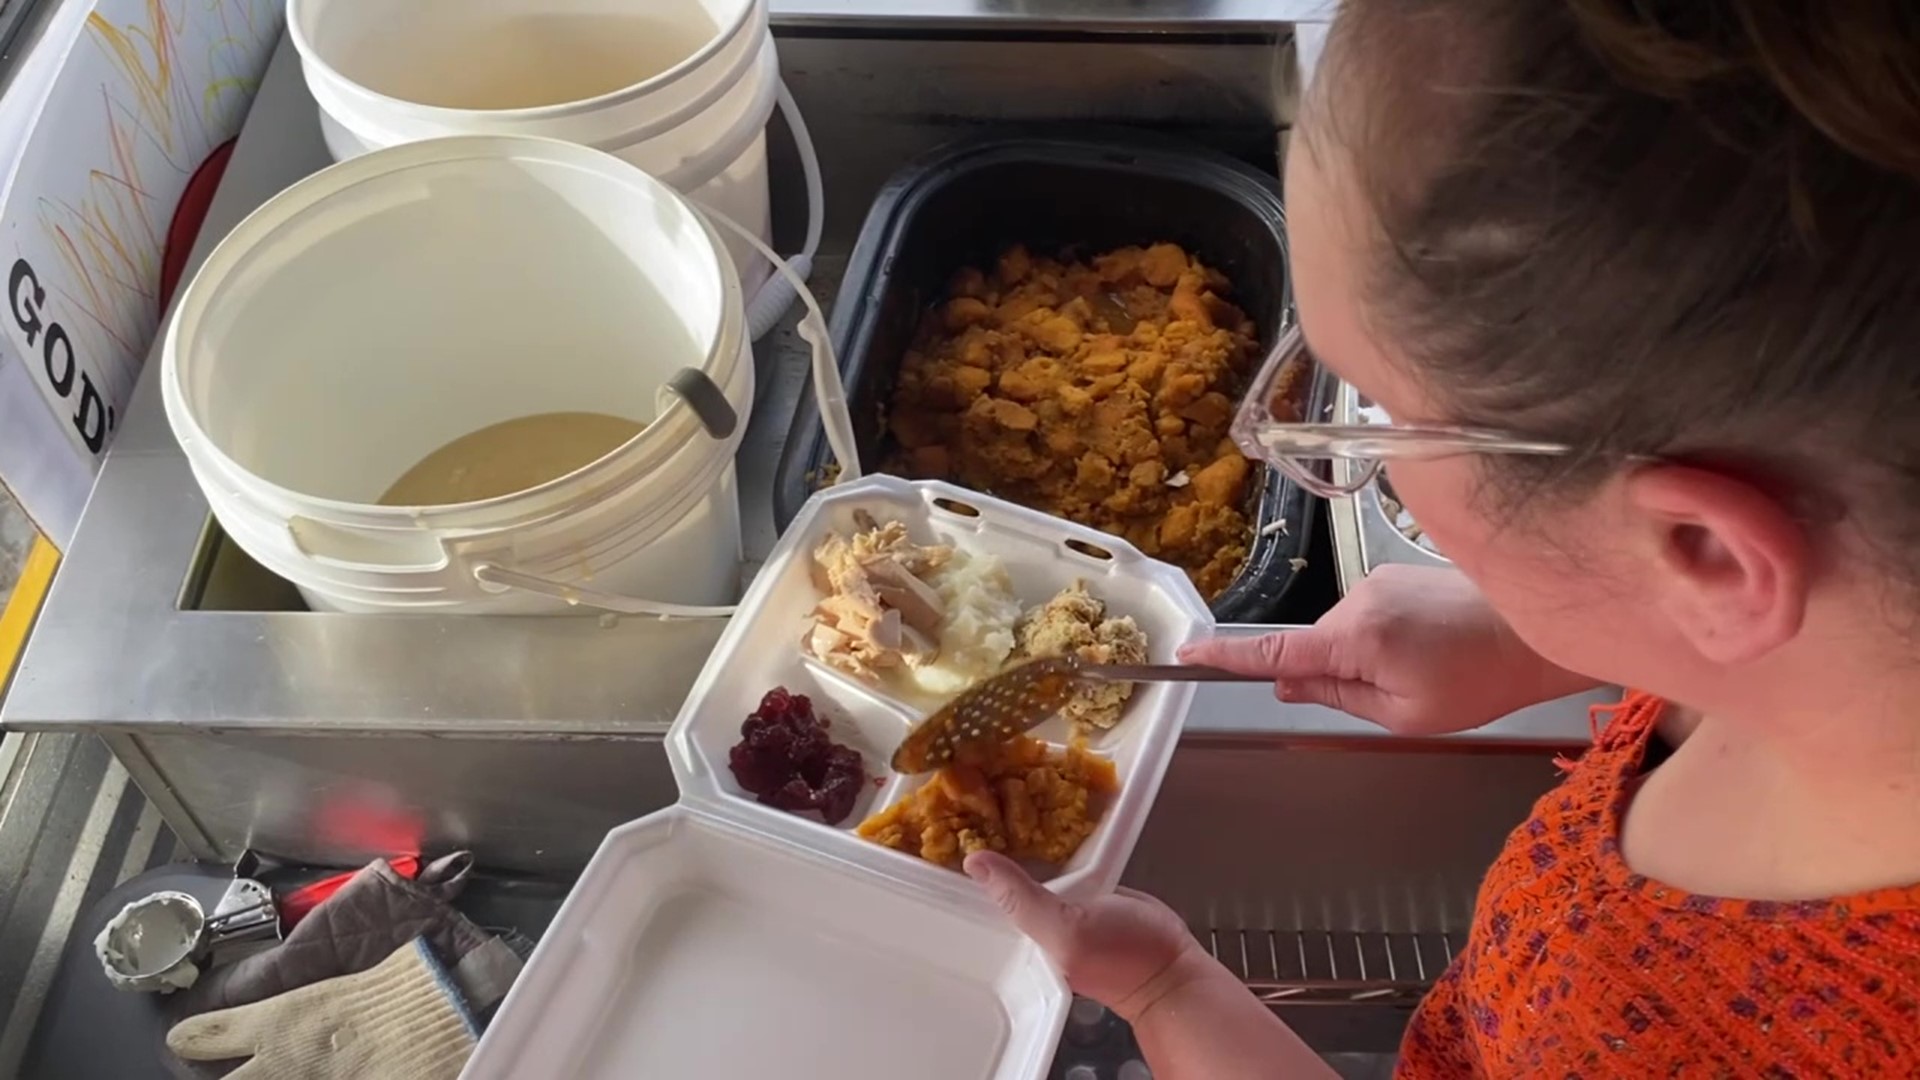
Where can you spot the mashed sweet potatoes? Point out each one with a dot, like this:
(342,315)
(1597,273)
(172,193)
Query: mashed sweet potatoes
(1021,798)
(1100,391)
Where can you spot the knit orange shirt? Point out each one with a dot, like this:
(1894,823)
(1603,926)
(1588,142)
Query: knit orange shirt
(1578,967)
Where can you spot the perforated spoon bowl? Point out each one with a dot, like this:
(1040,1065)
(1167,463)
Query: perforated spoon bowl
(1022,698)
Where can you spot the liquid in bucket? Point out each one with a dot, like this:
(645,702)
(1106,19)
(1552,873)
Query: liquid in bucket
(528,60)
(510,456)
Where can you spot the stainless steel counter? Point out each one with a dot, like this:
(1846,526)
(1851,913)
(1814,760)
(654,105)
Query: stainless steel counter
(251,723)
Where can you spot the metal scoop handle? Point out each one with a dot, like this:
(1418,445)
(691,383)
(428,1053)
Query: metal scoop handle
(1023,697)
(1162,673)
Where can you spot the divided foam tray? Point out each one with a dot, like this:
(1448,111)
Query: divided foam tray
(723,938)
(1043,555)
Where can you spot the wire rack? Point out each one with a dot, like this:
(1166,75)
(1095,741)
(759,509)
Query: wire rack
(1311,967)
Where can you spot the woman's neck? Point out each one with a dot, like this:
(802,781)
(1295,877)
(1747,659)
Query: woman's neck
(1806,793)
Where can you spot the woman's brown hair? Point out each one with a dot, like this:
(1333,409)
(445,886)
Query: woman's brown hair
(1677,228)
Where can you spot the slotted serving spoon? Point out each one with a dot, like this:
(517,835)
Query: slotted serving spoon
(1022,698)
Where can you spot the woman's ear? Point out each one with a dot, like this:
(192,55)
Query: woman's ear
(1730,561)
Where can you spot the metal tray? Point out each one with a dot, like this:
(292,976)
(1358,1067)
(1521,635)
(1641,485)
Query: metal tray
(1364,535)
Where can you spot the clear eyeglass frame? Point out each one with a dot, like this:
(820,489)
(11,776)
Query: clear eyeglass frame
(1268,427)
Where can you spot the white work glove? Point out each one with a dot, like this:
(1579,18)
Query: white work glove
(399,1020)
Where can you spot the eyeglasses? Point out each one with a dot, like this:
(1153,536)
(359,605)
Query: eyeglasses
(1269,427)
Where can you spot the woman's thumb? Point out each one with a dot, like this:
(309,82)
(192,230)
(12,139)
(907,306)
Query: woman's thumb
(1039,914)
(1287,654)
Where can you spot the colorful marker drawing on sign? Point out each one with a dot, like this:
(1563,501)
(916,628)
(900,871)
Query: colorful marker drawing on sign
(149,89)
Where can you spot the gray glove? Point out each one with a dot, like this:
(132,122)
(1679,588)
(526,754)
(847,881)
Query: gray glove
(373,914)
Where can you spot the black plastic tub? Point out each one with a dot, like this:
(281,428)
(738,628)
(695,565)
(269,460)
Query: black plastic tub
(965,203)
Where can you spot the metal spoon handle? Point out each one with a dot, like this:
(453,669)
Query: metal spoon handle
(1164,673)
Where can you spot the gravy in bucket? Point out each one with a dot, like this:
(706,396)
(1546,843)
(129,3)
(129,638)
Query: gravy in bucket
(510,456)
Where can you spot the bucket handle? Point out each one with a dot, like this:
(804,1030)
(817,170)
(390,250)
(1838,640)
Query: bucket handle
(708,402)
(699,393)
(361,549)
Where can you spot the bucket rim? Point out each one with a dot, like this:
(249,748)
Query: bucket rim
(653,446)
(753,11)
(686,175)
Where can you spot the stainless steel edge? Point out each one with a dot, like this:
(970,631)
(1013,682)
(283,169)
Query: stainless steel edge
(1364,537)
(153,785)
(1382,541)
(1343,517)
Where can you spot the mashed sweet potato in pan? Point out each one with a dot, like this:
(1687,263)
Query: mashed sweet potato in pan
(1100,391)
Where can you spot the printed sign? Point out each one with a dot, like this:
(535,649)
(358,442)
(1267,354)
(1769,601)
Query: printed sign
(137,94)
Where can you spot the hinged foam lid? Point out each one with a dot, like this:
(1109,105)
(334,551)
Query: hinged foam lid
(696,947)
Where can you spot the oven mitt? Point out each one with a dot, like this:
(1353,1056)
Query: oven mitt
(374,913)
(400,1020)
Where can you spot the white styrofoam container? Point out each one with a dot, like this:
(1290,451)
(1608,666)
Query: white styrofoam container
(721,938)
(695,946)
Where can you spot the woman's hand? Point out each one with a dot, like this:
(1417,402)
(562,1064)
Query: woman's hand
(1416,650)
(1125,951)
(1131,953)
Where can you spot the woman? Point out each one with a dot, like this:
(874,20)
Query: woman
(1636,279)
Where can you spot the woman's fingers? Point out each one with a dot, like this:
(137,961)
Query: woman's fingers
(1039,914)
(1286,655)
(1364,700)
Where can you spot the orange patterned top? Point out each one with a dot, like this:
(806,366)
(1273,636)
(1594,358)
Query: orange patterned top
(1579,967)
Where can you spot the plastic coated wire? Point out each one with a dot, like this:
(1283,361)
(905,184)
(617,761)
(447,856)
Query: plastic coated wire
(770,304)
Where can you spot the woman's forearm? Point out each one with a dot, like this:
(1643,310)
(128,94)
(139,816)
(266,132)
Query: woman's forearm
(1210,1027)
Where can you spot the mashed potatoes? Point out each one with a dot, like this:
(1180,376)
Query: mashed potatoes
(976,632)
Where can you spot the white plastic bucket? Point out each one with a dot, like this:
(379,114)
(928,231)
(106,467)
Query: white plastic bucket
(681,88)
(383,307)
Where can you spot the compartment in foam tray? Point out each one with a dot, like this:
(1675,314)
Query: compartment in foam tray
(724,938)
(856,717)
